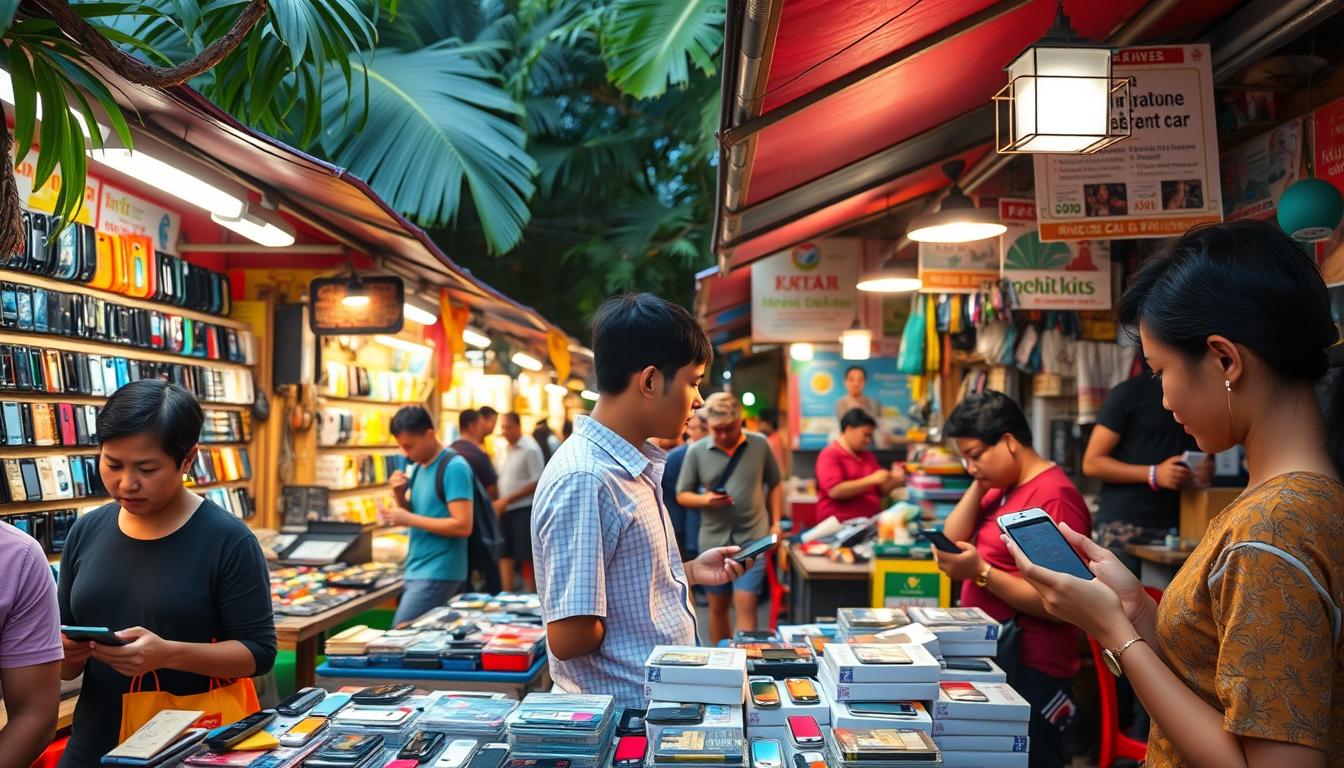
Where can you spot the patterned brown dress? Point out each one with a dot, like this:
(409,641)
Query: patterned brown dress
(1252,621)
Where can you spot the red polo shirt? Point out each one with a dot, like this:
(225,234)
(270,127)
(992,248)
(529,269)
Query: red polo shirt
(835,465)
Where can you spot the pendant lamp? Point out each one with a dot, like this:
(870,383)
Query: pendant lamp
(890,278)
(1059,95)
(1310,210)
(856,342)
(957,219)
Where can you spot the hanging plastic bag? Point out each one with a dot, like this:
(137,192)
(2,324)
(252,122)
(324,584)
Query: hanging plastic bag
(911,358)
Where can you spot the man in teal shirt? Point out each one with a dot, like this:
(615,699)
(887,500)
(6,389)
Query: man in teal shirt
(439,522)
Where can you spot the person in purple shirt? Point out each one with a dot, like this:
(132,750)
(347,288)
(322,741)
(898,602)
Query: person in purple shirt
(30,648)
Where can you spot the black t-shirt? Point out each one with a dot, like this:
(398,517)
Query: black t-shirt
(207,581)
(479,461)
(1148,435)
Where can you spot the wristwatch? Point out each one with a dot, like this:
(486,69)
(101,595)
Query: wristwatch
(982,580)
(1112,658)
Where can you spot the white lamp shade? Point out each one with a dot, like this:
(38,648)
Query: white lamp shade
(856,344)
(890,280)
(1061,98)
(801,351)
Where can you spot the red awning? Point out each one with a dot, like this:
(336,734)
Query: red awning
(877,141)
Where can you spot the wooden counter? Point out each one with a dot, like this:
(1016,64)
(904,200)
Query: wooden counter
(304,633)
(1157,553)
(820,586)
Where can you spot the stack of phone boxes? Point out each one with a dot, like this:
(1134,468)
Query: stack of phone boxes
(868,621)
(574,727)
(698,747)
(911,634)
(482,716)
(961,631)
(981,725)
(690,674)
(795,712)
(880,748)
(662,715)
(394,723)
(873,685)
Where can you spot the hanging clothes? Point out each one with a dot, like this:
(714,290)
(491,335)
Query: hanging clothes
(1099,368)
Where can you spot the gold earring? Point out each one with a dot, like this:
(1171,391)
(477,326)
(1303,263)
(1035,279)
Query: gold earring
(1227,384)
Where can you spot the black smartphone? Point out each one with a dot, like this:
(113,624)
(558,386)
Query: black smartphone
(300,701)
(233,734)
(675,714)
(631,722)
(490,756)
(889,708)
(938,539)
(421,746)
(383,694)
(756,548)
(100,635)
(968,664)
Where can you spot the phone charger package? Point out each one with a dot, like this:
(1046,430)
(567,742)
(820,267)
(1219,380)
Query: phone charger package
(970,759)
(993,675)
(696,694)
(843,663)
(1003,703)
(843,716)
(875,691)
(776,717)
(694,665)
(716,716)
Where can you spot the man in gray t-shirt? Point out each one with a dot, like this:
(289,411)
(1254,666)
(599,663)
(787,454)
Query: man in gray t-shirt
(733,511)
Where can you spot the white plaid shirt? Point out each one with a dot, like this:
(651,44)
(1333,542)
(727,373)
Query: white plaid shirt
(602,545)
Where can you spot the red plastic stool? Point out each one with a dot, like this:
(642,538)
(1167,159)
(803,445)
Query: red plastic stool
(1114,743)
(52,754)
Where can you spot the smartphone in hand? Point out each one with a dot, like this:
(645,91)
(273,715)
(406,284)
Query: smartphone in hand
(755,548)
(1035,533)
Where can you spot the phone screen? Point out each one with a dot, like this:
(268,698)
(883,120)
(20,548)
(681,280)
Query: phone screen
(939,539)
(1044,545)
(13,424)
(897,708)
(756,548)
(766,752)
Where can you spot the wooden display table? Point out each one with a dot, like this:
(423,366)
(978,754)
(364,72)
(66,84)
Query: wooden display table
(303,634)
(1159,564)
(821,586)
(65,714)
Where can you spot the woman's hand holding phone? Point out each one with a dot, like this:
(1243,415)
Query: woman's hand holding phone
(965,566)
(77,652)
(1107,607)
(144,652)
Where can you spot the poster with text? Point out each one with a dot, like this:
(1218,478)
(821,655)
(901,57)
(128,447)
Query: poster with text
(958,267)
(1327,141)
(44,199)
(122,213)
(1073,275)
(1256,173)
(807,293)
(1160,181)
(823,389)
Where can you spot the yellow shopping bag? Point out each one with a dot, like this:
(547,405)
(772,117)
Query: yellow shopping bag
(226,702)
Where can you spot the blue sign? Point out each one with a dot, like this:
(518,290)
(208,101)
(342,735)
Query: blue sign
(822,389)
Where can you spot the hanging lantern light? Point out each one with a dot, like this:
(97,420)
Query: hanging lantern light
(957,219)
(1310,210)
(890,278)
(1059,95)
(856,342)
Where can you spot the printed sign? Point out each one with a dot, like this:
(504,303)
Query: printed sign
(122,213)
(807,293)
(1256,173)
(383,313)
(44,199)
(1160,181)
(1070,275)
(1327,141)
(958,267)
(823,389)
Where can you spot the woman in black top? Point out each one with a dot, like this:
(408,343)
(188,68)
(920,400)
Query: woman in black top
(183,581)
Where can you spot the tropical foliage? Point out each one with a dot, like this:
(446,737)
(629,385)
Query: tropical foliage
(562,149)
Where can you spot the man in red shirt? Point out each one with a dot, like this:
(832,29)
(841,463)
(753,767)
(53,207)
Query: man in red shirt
(993,437)
(850,483)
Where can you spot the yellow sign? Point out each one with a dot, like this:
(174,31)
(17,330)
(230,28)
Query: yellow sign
(557,344)
(44,199)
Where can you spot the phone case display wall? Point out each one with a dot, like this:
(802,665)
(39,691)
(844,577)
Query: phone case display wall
(346,427)
(84,313)
(344,380)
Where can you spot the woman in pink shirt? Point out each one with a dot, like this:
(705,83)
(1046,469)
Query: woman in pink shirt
(849,481)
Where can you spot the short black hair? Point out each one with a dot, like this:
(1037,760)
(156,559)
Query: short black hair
(637,330)
(513,418)
(411,418)
(987,417)
(487,412)
(153,407)
(856,417)
(858,368)
(568,428)
(467,419)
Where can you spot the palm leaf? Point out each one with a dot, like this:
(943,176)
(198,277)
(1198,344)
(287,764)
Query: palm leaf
(435,123)
(1028,252)
(650,45)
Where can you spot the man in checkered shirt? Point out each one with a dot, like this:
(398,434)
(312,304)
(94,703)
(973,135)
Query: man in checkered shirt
(611,583)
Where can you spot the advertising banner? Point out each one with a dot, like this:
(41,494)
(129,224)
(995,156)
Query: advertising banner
(1256,172)
(807,293)
(44,199)
(122,213)
(1327,140)
(958,267)
(1160,181)
(1072,275)
(823,389)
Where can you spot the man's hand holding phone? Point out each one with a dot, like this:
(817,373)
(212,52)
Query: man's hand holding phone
(398,481)
(715,567)
(718,500)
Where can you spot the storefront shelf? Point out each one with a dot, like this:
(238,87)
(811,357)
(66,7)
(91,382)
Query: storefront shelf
(69,344)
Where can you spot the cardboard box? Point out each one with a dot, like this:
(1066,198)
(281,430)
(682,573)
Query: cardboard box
(724,667)
(843,717)
(716,716)
(958,625)
(994,675)
(979,728)
(916,634)
(842,662)
(699,694)
(977,648)
(776,717)
(907,582)
(1200,505)
(875,691)
(1004,704)
(959,759)
(984,743)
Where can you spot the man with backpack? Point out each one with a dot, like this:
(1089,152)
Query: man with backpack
(436,501)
